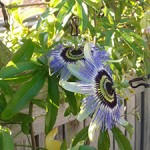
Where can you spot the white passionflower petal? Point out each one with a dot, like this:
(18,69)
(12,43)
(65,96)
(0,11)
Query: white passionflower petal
(61,56)
(84,113)
(65,74)
(76,87)
(88,52)
(91,131)
(75,70)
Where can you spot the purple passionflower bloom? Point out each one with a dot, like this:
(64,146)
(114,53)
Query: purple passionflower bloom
(62,56)
(95,80)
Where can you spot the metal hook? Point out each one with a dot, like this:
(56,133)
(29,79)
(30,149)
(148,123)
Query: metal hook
(144,78)
(74,26)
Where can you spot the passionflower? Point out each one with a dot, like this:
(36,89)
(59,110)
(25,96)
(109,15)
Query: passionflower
(62,56)
(95,80)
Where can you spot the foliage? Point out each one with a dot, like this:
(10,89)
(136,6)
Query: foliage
(5,136)
(114,25)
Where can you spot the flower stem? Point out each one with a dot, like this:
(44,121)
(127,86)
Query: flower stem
(76,42)
(95,40)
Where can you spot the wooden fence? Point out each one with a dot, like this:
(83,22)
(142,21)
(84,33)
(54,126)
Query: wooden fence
(69,126)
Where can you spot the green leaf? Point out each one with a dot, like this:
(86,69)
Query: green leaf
(146,61)
(145,23)
(93,4)
(115,61)
(63,145)
(103,141)
(119,10)
(25,52)
(16,1)
(25,128)
(5,55)
(67,112)
(44,15)
(37,48)
(64,14)
(2,103)
(92,29)
(6,141)
(43,37)
(121,139)
(49,11)
(70,97)
(76,147)
(15,12)
(117,65)
(105,23)
(6,88)
(60,4)
(109,37)
(20,78)
(110,17)
(138,39)
(129,41)
(30,13)
(24,119)
(24,95)
(87,148)
(14,69)
(127,126)
(52,104)
(39,102)
(82,11)
(82,135)
(20,117)
(43,60)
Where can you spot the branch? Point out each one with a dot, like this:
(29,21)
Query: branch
(31,127)
(24,5)
(41,148)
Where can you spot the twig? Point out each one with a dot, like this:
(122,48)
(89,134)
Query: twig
(24,5)
(31,127)
(41,148)
(22,145)
(28,140)
(5,16)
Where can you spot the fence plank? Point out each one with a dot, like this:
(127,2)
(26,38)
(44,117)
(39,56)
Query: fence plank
(146,142)
(122,112)
(60,135)
(131,117)
(25,142)
(112,143)
(42,139)
(71,129)
(138,123)
(39,115)
(19,147)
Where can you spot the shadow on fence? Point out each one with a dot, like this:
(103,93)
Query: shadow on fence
(69,126)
